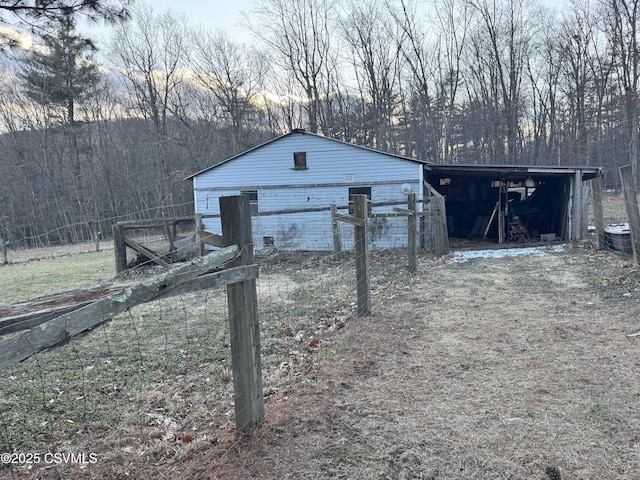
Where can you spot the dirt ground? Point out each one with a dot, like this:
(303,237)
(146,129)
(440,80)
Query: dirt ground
(517,367)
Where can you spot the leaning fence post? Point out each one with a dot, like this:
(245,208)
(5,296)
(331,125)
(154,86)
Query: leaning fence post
(235,216)
(361,248)
(411,241)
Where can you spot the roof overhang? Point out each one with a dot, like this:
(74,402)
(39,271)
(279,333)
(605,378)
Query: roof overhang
(514,171)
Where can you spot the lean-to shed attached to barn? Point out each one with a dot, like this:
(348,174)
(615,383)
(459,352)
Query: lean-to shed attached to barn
(486,201)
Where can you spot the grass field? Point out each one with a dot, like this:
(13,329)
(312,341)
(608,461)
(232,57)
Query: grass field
(27,280)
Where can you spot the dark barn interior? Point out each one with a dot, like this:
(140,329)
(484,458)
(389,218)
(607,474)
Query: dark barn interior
(524,203)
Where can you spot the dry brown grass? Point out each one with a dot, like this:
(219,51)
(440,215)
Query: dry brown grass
(501,368)
(515,368)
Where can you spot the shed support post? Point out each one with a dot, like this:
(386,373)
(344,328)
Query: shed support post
(235,216)
(361,252)
(411,229)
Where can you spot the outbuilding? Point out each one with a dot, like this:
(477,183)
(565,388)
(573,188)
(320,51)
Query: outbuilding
(293,180)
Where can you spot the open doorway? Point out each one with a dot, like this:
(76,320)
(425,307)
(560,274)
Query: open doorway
(500,205)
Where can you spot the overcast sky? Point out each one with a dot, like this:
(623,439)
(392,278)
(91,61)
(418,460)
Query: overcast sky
(209,13)
(226,14)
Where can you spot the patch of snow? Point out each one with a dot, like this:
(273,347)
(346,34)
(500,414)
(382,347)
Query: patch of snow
(465,255)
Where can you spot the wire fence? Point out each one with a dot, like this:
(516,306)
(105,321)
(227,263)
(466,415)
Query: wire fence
(155,384)
(619,212)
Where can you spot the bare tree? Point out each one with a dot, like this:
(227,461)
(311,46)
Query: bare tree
(544,71)
(502,39)
(433,57)
(621,26)
(452,23)
(151,53)
(298,33)
(234,74)
(376,63)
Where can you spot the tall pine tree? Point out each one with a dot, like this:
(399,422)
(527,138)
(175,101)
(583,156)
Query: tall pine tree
(61,72)
(58,76)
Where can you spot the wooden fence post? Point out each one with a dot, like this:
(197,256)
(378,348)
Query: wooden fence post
(119,248)
(411,241)
(439,226)
(94,233)
(596,188)
(578,217)
(3,248)
(631,201)
(235,216)
(361,252)
(199,234)
(337,243)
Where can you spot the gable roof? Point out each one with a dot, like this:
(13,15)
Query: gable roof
(299,131)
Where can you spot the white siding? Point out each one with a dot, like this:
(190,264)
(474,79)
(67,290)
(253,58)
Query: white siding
(333,167)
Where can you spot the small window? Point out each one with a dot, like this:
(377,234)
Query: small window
(268,241)
(359,191)
(299,160)
(253,199)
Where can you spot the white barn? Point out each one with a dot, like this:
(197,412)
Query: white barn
(302,170)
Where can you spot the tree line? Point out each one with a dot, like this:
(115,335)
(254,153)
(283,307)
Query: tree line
(91,136)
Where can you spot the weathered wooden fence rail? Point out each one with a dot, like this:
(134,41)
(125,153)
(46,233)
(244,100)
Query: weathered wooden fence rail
(169,226)
(239,274)
(60,329)
(434,235)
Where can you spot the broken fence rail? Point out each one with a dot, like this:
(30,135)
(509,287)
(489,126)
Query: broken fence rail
(176,281)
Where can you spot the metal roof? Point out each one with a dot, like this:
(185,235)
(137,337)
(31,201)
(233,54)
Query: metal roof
(304,132)
(588,172)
